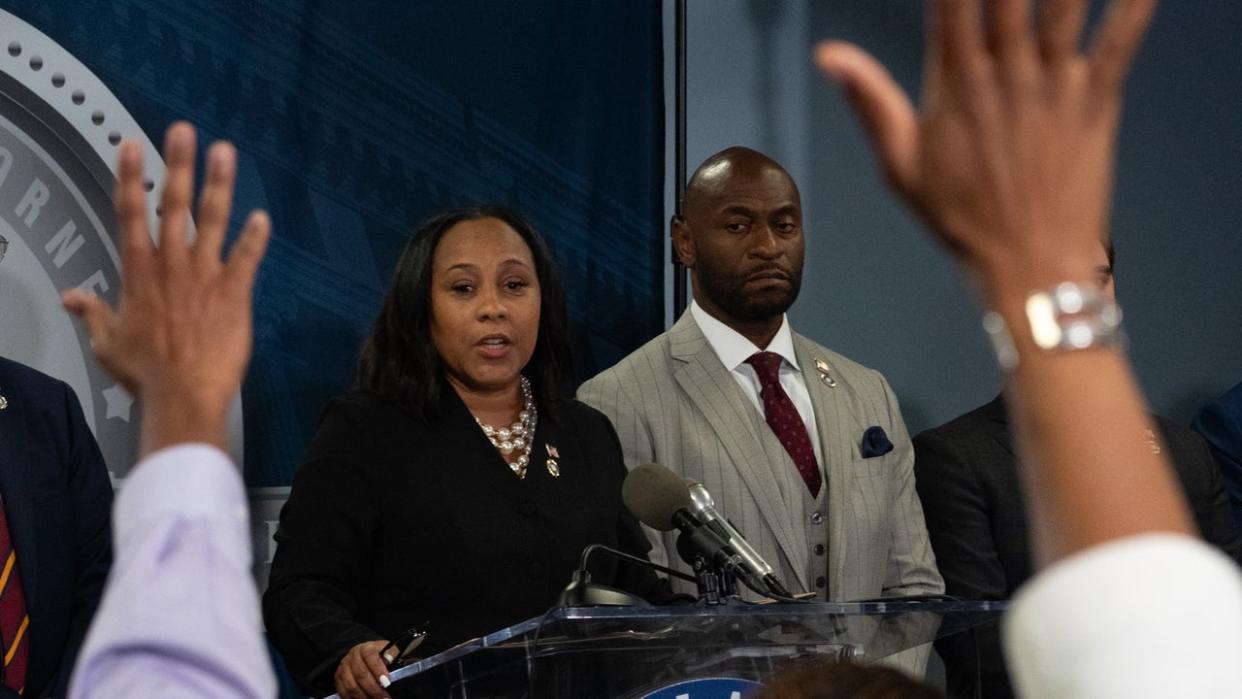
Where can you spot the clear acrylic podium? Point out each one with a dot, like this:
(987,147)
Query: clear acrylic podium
(632,652)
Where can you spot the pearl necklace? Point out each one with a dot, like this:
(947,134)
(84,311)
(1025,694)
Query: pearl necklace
(520,436)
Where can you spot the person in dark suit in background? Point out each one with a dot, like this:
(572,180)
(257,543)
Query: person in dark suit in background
(1220,423)
(54,530)
(967,477)
(55,538)
(410,507)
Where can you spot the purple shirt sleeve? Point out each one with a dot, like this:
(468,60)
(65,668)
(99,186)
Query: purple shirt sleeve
(180,613)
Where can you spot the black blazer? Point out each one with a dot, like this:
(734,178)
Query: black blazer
(967,477)
(58,501)
(393,521)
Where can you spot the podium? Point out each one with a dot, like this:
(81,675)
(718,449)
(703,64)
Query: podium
(698,651)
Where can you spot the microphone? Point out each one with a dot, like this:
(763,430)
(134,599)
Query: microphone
(705,509)
(654,495)
(662,500)
(582,592)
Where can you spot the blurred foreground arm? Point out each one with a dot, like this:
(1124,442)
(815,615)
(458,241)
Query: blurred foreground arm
(180,614)
(1010,162)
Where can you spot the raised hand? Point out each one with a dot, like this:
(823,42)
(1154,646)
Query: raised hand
(1010,158)
(180,337)
(1010,162)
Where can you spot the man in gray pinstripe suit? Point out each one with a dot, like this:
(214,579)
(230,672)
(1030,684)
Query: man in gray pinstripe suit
(826,494)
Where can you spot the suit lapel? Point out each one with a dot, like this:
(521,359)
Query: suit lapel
(833,424)
(717,396)
(459,439)
(15,489)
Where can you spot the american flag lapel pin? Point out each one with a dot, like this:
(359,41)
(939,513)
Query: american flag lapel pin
(553,468)
(825,373)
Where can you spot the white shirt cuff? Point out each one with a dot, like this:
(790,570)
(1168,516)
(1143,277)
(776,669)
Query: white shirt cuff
(1157,615)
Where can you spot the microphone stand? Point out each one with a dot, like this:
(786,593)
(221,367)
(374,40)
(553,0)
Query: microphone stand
(717,576)
(715,586)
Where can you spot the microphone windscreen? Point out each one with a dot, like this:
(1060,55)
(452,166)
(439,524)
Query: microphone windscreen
(654,494)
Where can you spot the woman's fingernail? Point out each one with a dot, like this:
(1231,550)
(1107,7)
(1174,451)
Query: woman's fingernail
(384,681)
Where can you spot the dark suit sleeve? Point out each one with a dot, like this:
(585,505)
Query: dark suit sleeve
(600,438)
(1220,425)
(324,543)
(957,509)
(90,492)
(643,582)
(1205,490)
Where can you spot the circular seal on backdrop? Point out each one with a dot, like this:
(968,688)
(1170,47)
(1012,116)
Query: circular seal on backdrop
(59,131)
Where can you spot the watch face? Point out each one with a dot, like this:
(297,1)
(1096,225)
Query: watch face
(59,132)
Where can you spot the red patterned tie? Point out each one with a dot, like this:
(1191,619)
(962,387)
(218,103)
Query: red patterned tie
(784,419)
(14,622)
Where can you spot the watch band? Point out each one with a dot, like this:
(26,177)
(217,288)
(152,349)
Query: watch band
(1070,316)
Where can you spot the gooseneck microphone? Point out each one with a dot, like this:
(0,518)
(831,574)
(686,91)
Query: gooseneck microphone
(662,500)
(583,592)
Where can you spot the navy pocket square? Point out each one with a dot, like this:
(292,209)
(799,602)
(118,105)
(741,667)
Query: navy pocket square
(875,442)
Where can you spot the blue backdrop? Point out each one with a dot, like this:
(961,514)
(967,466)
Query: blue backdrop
(356,120)
(353,122)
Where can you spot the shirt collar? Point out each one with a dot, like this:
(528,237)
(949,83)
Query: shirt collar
(733,348)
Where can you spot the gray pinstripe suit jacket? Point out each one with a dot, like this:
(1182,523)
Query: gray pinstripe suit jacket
(674,403)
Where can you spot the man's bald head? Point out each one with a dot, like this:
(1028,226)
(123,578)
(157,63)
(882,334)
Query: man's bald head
(723,172)
(741,236)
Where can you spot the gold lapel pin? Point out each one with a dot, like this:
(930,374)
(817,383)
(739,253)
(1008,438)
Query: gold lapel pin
(553,468)
(825,373)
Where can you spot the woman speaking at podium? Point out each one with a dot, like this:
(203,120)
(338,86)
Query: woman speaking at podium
(459,483)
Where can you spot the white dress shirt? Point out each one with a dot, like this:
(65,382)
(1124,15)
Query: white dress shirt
(180,613)
(734,349)
(1157,615)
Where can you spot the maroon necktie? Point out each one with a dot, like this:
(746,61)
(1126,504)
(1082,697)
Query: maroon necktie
(14,621)
(784,419)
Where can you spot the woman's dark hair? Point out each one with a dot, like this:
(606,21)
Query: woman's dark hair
(399,363)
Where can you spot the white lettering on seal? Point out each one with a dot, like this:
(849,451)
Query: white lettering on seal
(65,243)
(32,201)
